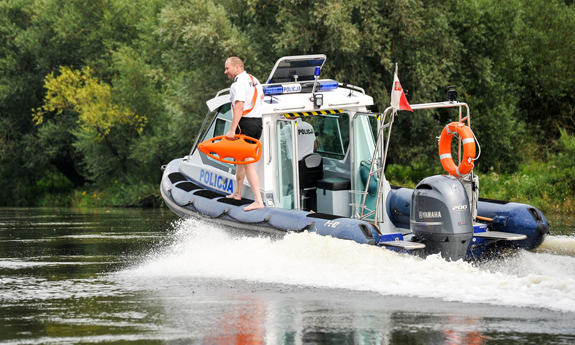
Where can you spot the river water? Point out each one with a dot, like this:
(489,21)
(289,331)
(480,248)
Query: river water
(117,276)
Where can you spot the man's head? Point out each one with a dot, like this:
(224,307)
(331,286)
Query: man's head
(233,67)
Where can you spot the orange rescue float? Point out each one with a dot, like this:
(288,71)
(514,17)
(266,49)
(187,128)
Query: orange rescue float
(468,141)
(240,149)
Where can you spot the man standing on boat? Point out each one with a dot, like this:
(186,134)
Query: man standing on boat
(246,95)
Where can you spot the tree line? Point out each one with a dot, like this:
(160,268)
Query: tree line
(100,94)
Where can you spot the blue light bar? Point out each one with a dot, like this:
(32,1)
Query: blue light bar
(328,85)
(282,88)
(273,90)
(324,85)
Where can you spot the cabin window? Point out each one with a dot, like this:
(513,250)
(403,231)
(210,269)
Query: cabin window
(220,125)
(223,121)
(332,133)
(285,172)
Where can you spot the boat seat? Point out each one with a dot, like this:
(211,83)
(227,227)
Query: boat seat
(310,171)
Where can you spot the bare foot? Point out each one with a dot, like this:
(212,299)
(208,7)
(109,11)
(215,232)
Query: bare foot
(234,196)
(254,206)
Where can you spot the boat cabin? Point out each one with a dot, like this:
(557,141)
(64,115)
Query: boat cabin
(328,179)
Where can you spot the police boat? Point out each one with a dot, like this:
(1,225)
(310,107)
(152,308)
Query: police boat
(340,189)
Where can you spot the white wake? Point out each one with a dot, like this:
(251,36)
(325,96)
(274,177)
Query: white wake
(525,279)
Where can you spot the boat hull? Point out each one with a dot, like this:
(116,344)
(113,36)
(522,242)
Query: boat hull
(188,198)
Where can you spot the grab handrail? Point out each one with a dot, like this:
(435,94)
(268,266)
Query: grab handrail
(222,91)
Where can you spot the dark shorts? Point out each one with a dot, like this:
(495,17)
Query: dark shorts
(250,126)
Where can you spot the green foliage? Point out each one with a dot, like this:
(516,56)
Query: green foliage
(548,71)
(119,194)
(566,156)
(409,176)
(548,185)
(36,37)
(484,70)
(51,191)
(80,92)
(104,127)
(198,36)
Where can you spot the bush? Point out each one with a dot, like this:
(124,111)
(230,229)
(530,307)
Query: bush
(546,184)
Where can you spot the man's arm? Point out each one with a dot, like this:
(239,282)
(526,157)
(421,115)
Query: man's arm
(238,111)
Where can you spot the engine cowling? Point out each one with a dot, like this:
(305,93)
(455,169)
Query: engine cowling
(440,216)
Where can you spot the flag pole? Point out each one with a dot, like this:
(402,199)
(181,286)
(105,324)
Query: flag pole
(395,75)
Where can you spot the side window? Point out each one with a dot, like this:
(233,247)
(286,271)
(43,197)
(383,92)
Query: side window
(222,122)
(220,125)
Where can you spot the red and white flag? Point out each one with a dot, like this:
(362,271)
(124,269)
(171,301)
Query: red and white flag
(398,100)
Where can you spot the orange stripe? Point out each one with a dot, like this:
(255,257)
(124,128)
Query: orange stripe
(254,98)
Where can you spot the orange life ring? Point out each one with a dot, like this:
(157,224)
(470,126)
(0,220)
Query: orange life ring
(468,140)
(242,147)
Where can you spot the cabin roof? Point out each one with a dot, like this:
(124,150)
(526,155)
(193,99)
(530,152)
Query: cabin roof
(341,98)
(290,87)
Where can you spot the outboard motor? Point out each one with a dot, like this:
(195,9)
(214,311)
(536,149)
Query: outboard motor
(440,216)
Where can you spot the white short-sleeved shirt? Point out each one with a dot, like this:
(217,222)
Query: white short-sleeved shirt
(305,139)
(243,90)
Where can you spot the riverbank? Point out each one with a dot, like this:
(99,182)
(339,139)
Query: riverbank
(56,191)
